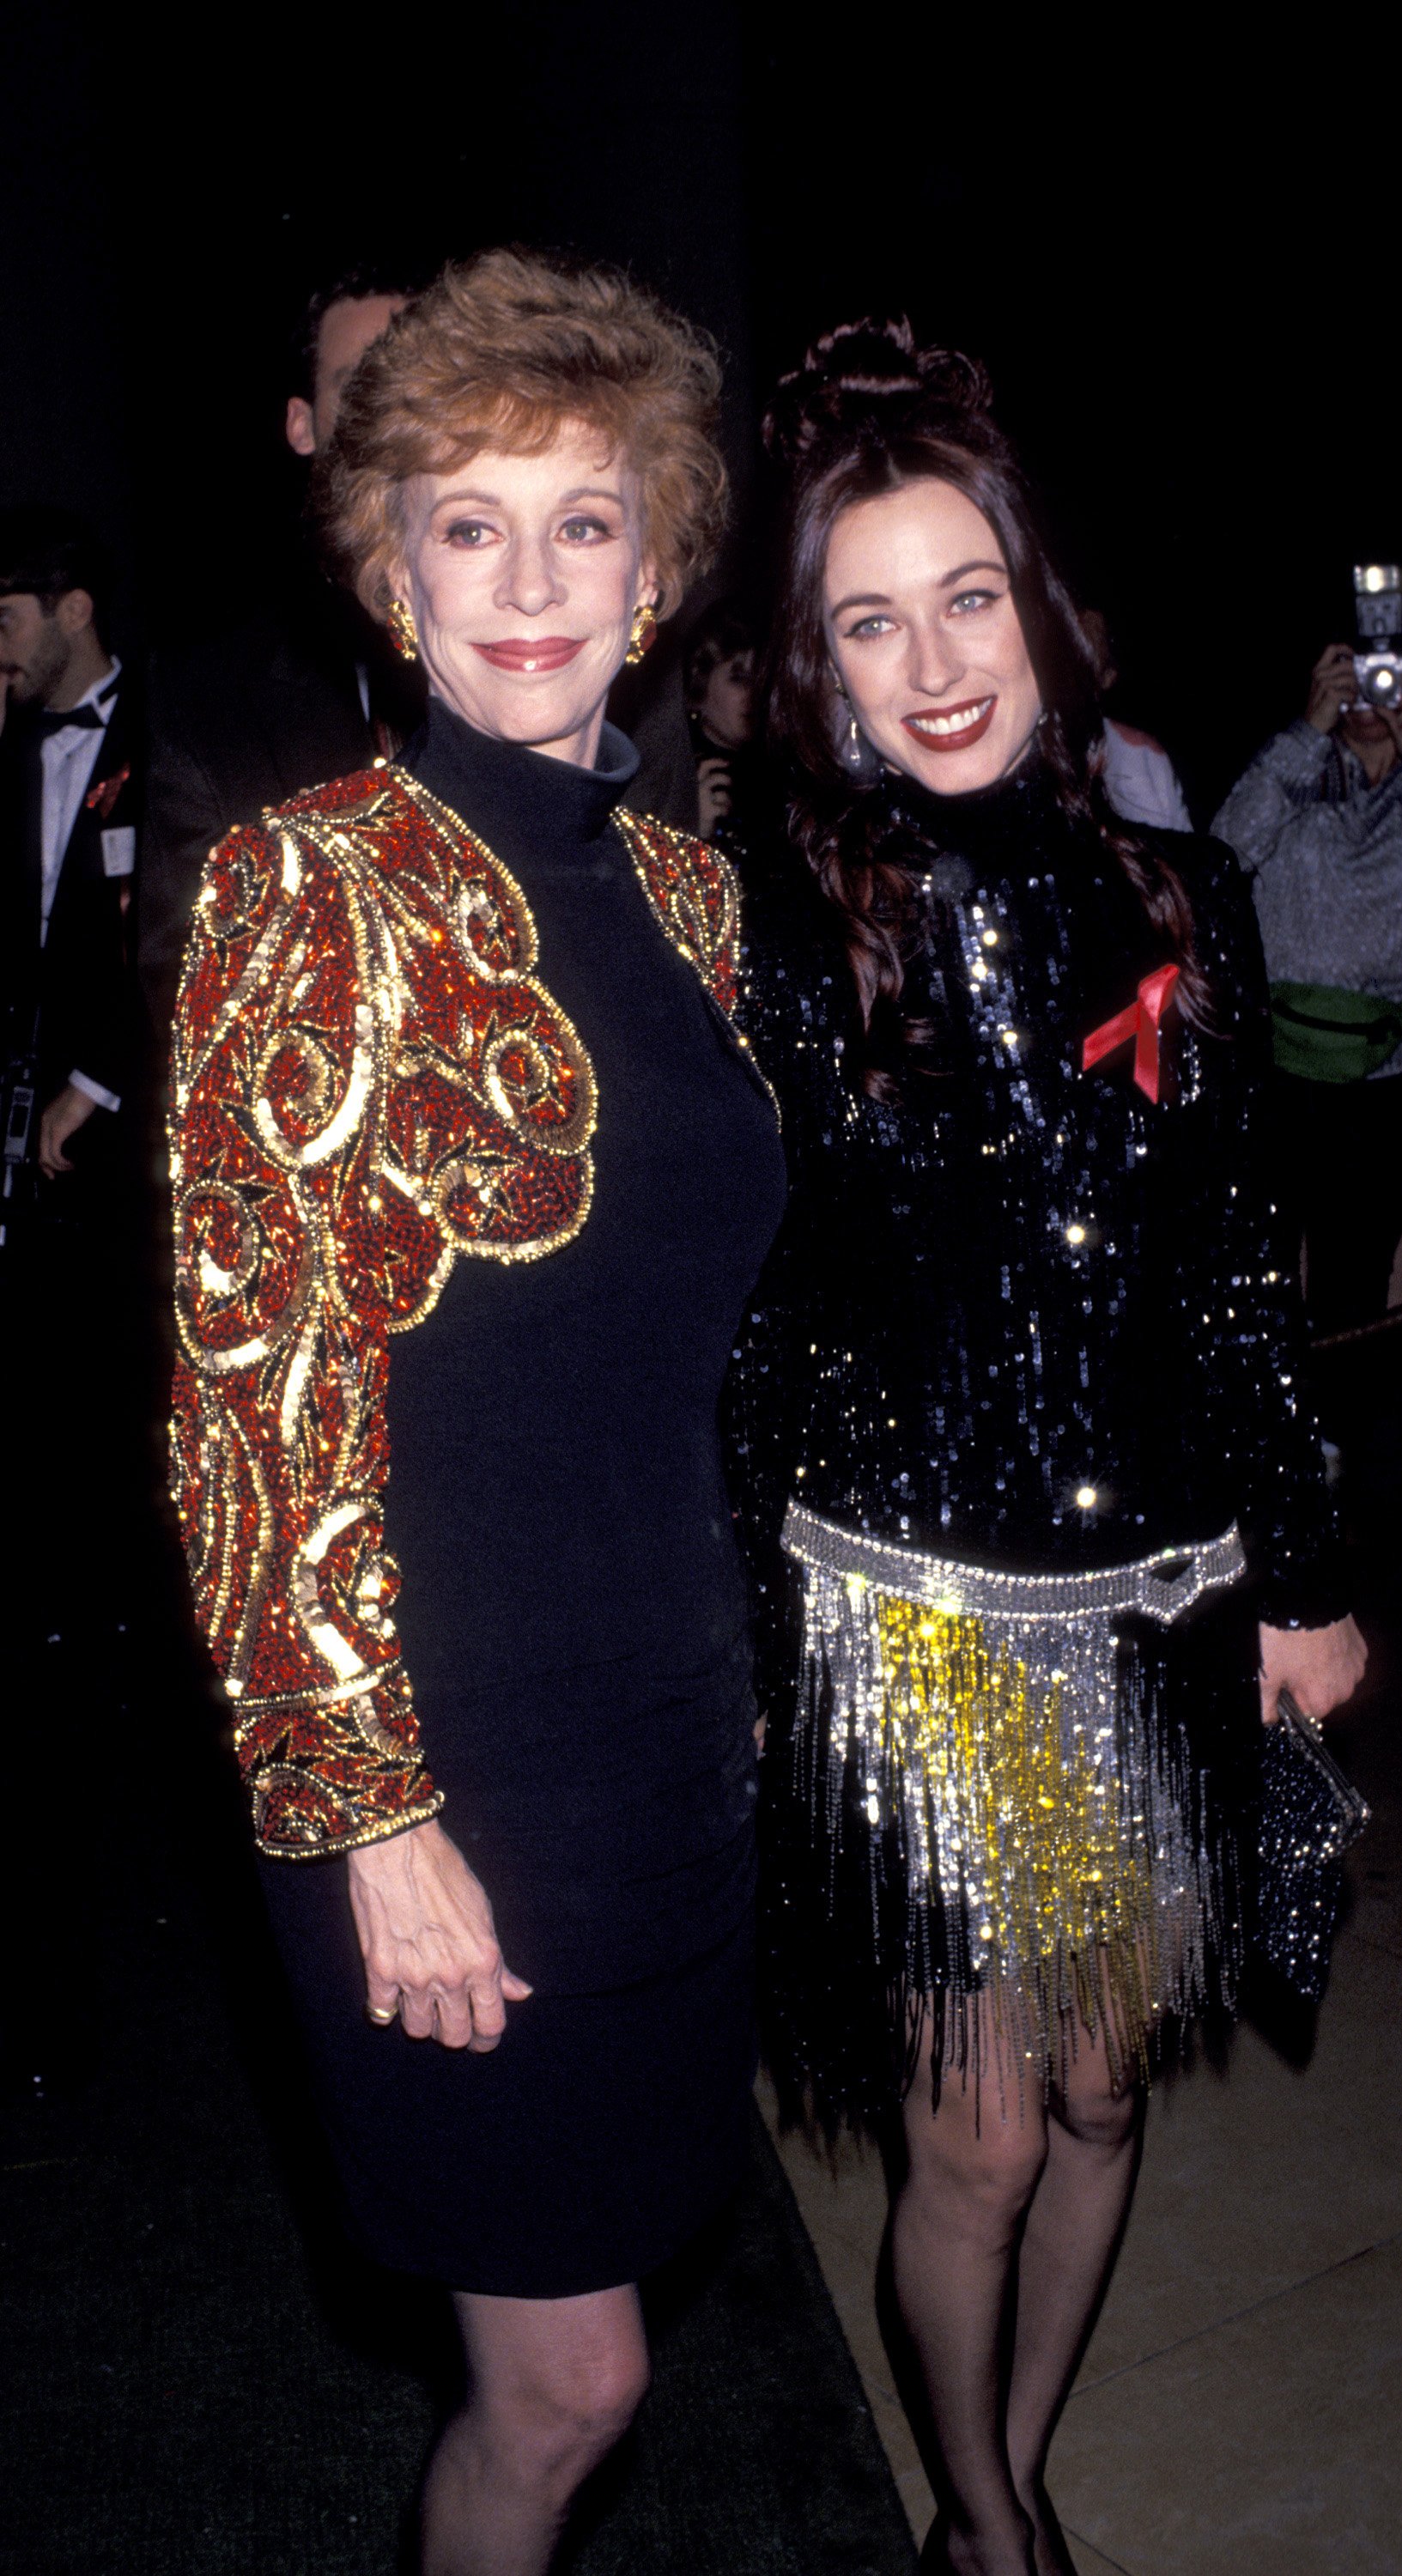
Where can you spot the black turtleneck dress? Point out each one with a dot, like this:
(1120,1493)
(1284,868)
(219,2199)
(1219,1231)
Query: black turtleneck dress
(1020,1314)
(574,1622)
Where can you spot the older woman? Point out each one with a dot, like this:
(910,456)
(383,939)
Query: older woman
(473,1179)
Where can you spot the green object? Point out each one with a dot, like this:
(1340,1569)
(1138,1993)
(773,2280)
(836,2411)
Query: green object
(1324,1033)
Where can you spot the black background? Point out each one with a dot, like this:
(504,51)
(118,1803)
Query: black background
(1181,269)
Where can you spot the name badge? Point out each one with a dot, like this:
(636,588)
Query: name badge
(119,850)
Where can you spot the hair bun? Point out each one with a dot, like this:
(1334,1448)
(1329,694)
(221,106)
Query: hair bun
(855,372)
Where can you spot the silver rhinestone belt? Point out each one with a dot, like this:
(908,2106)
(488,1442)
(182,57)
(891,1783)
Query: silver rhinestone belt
(1160,1587)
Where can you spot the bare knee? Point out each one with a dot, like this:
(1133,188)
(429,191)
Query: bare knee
(560,2422)
(550,2402)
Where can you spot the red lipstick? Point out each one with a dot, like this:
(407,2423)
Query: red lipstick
(531,653)
(979,713)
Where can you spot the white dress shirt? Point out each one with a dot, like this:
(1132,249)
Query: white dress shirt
(68,756)
(1140,779)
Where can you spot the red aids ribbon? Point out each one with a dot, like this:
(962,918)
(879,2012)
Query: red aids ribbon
(102,798)
(1142,1022)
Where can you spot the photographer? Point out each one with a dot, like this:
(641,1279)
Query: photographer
(1316,821)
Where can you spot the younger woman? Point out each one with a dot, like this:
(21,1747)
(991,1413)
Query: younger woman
(1022,1397)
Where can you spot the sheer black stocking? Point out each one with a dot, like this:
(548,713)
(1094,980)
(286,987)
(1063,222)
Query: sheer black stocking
(1002,2243)
(1069,2243)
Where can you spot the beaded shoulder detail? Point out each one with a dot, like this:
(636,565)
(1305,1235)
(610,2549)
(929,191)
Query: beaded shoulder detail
(693,891)
(368,1083)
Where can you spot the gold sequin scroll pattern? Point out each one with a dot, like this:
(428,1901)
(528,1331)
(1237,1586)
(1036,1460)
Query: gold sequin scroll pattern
(367,1083)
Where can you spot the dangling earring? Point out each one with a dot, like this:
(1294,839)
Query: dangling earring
(404,631)
(854,752)
(644,628)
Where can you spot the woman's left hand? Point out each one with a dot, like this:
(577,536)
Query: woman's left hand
(1320,1667)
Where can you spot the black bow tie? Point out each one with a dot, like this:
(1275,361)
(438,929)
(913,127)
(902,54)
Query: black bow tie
(87,719)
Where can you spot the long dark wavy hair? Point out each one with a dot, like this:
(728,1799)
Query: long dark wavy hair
(866,413)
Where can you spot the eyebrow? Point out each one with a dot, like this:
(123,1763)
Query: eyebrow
(567,500)
(947,580)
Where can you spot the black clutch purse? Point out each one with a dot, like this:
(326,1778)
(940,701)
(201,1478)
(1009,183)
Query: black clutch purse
(1310,1815)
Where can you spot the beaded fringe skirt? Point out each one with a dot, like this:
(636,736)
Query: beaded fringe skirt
(1034,1829)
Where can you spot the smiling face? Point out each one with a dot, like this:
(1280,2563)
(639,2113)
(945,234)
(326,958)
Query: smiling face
(925,638)
(522,574)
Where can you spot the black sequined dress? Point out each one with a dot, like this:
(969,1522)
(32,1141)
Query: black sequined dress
(1025,1357)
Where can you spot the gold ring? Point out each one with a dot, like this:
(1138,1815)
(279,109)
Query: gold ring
(383,2018)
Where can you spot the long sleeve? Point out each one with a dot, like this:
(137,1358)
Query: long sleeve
(287,1282)
(1286,779)
(1261,1356)
(88,1014)
(790,1007)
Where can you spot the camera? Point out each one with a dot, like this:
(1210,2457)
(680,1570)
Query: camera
(1377,608)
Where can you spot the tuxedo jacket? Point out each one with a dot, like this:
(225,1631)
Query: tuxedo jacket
(77,984)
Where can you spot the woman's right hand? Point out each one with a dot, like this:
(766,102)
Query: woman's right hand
(428,1941)
(1332,687)
(713,795)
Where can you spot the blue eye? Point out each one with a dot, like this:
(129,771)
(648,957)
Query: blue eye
(467,532)
(579,531)
(972,599)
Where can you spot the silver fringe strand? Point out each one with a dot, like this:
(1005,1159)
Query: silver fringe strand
(1045,1813)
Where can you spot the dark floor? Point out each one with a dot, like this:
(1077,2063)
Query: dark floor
(1239,2412)
(201,2379)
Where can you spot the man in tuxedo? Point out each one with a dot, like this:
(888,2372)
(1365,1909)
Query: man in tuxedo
(70,779)
(301,695)
(69,785)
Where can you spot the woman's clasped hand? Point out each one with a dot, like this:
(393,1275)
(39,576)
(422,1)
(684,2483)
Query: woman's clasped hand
(1320,1667)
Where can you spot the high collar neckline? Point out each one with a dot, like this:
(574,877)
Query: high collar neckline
(1025,801)
(505,790)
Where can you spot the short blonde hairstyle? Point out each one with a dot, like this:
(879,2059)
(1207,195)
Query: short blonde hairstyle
(499,352)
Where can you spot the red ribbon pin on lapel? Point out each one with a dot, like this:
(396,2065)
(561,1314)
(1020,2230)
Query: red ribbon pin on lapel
(102,798)
(1142,1022)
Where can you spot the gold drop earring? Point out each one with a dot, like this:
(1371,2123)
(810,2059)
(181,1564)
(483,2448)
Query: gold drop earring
(404,631)
(643,629)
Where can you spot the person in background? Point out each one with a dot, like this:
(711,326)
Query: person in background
(69,784)
(304,691)
(1140,779)
(648,703)
(70,776)
(1316,821)
(720,705)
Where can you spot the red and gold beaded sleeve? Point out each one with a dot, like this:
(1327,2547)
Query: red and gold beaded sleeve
(367,1084)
